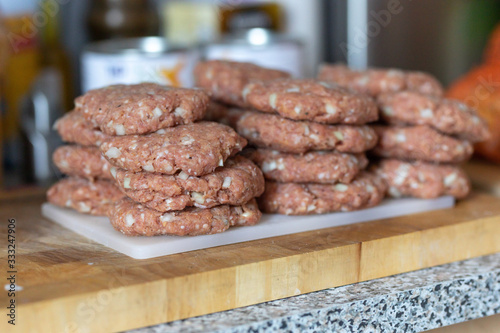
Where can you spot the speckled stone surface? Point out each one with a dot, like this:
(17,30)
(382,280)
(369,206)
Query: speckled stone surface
(410,302)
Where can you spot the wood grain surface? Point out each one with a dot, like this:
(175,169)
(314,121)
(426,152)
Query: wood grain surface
(71,284)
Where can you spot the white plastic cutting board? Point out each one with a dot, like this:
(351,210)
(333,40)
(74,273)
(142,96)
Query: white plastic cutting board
(100,230)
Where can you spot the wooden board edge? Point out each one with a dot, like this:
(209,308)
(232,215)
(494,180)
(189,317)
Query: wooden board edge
(160,301)
(213,291)
(429,247)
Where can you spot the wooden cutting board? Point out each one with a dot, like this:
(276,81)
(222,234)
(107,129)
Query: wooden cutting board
(75,285)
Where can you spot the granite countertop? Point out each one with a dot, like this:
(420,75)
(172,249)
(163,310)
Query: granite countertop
(410,302)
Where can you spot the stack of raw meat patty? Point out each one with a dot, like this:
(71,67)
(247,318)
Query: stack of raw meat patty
(310,136)
(140,157)
(423,137)
(90,187)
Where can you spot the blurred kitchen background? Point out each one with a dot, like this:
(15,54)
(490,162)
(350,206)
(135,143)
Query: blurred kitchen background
(54,50)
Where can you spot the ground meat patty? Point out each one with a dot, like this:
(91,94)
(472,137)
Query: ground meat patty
(196,149)
(223,114)
(446,115)
(84,196)
(311,167)
(420,143)
(216,111)
(272,131)
(226,79)
(85,162)
(134,219)
(375,81)
(141,108)
(238,181)
(367,190)
(74,128)
(423,180)
(306,99)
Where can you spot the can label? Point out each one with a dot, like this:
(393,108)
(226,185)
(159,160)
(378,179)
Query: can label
(283,56)
(173,69)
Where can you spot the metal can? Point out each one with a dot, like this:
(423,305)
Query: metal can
(134,60)
(262,47)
